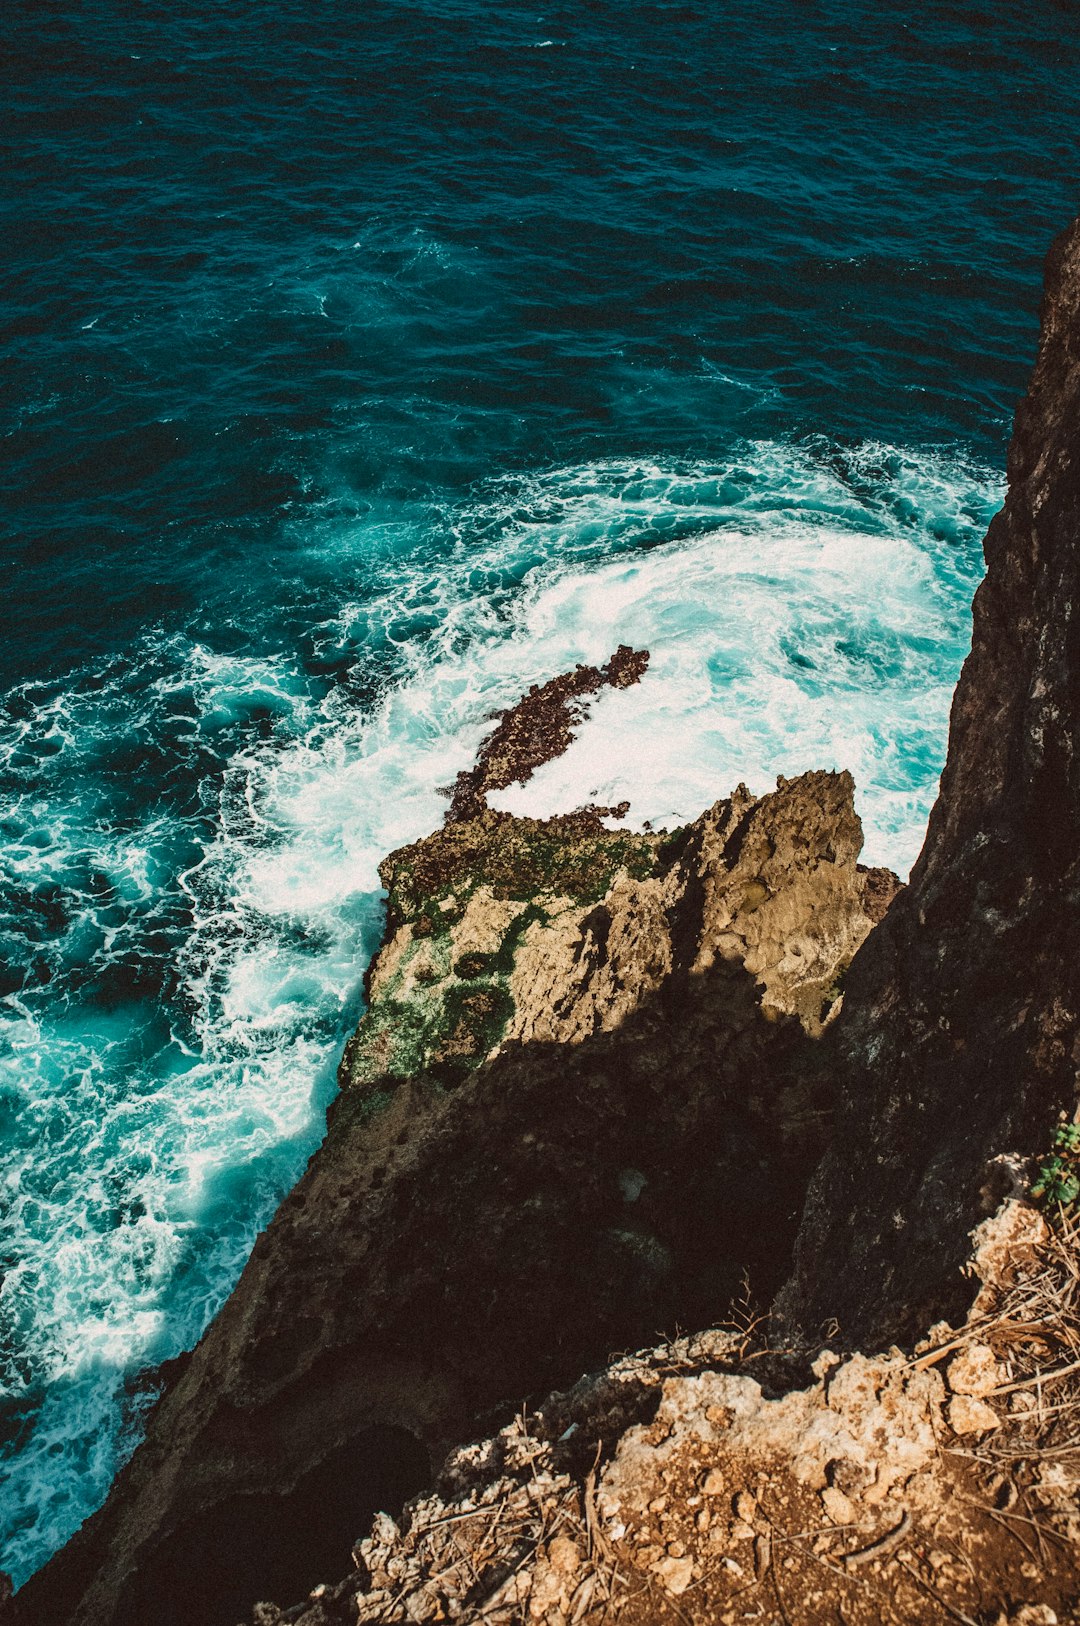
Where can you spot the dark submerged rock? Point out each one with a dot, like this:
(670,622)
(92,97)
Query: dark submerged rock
(538,729)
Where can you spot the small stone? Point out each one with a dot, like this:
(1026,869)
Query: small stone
(1033,1614)
(631,1183)
(675,1573)
(973,1372)
(838,1507)
(676,1549)
(383,1528)
(658,1504)
(703,1519)
(713,1483)
(745,1505)
(564,1556)
(967,1415)
(937,1559)
(847,1476)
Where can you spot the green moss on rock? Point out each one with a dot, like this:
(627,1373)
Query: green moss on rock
(519,859)
(442,1014)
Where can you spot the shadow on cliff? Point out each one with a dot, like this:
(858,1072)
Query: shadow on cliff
(959,1044)
(462,1243)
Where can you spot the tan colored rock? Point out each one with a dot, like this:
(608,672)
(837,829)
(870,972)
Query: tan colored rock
(974,1371)
(838,1507)
(773,885)
(864,1403)
(564,1556)
(968,1415)
(675,1573)
(1003,1244)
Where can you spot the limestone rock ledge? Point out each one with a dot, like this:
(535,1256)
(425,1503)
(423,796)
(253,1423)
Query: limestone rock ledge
(507,931)
(585,1100)
(704,1481)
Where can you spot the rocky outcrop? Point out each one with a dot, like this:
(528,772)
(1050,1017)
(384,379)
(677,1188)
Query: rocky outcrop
(582,1104)
(960,1038)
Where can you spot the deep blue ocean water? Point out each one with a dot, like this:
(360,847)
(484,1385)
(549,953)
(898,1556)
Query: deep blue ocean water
(363,364)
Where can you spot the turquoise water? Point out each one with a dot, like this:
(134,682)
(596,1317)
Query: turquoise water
(362,366)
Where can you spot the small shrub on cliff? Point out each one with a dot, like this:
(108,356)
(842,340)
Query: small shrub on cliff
(1058,1179)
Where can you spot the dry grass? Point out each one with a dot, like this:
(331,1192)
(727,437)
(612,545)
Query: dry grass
(1034,1332)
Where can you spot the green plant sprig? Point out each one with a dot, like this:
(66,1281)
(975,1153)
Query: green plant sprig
(1057,1182)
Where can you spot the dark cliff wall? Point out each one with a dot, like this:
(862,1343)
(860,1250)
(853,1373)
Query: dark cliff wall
(959,1039)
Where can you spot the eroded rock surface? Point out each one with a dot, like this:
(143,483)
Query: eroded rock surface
(504,931)
(582,1104)
(960,1038)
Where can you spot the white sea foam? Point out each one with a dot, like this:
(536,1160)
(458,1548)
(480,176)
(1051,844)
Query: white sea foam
(804,607)
(803,647)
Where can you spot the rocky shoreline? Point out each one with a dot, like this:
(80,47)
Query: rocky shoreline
(603,1078)
(581,1106)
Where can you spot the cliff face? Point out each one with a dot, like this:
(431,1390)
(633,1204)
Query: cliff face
(959,1040)
(583,1101)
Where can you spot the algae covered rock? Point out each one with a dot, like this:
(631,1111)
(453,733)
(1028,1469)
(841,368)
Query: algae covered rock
(503,930)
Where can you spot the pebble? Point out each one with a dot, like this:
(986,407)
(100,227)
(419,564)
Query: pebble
(967,1415)
(974,1371)
(564,1556)
(675,1573)
(838,1507)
